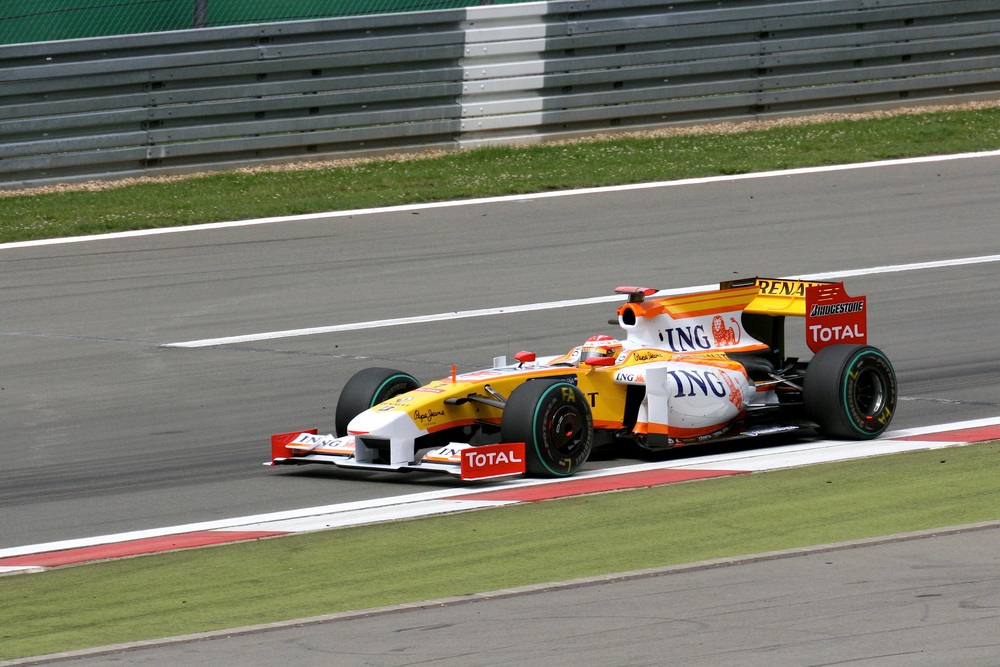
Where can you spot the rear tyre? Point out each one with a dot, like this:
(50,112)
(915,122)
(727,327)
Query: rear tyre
(554,422)
(850,391)
(368,388)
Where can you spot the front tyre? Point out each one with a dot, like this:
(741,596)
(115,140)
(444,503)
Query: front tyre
(368,388)
(554,422)
(850,391)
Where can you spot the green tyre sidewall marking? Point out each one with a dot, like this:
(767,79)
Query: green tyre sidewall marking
(847,400)
(834,378)
(378,392)
(538,429)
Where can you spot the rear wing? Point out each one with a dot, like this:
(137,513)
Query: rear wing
(832,316)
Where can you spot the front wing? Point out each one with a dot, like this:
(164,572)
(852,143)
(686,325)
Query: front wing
(461,460)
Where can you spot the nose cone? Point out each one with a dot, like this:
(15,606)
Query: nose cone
(384,434)
(384,423)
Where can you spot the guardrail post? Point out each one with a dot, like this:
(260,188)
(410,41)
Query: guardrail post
(200,13)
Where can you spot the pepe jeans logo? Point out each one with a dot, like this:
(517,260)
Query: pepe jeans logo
(427,415)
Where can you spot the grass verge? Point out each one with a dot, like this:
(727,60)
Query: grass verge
(356,568)
(495,171)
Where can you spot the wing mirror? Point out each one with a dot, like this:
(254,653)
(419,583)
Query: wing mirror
(525,357)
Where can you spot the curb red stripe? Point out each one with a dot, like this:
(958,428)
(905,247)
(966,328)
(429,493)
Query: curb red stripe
(134,548)
(576,487)
(200,535)
(980,434)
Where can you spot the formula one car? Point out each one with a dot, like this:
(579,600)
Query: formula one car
(690,369)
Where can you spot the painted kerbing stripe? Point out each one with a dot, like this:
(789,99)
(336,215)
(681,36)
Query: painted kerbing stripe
(569,303)
(34,557)
(913,433)
(580,486)
(236,523)
(494,200)
(971,434)
(133,548)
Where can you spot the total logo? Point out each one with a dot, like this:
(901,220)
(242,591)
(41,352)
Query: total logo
(833,317)
(848,333)
(476,459)
(493,460)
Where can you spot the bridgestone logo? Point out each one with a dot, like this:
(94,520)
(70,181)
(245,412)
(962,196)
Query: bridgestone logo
(837,309)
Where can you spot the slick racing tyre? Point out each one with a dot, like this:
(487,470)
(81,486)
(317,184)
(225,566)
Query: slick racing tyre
(554,422)
(850,391)
(368,388)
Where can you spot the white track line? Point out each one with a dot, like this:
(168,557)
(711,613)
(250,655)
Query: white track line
(494,200)
(524,308)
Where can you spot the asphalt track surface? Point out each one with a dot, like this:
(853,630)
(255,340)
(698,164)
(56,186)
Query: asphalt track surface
(107,430)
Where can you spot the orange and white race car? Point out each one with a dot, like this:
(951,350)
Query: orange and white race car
(689,369)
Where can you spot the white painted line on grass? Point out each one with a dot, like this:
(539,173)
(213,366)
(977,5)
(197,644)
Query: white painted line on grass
(551,305)
(405,208)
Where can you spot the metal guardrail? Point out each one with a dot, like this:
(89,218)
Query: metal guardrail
(186,101)
(47,20)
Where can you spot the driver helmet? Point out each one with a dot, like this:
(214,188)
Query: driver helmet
(600,346)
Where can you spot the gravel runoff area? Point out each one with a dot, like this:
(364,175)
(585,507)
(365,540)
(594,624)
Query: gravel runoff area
(730,127)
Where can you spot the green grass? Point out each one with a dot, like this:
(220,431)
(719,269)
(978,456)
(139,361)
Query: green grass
(368,566)
(493,171)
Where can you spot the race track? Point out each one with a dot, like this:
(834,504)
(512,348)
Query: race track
(109,429)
